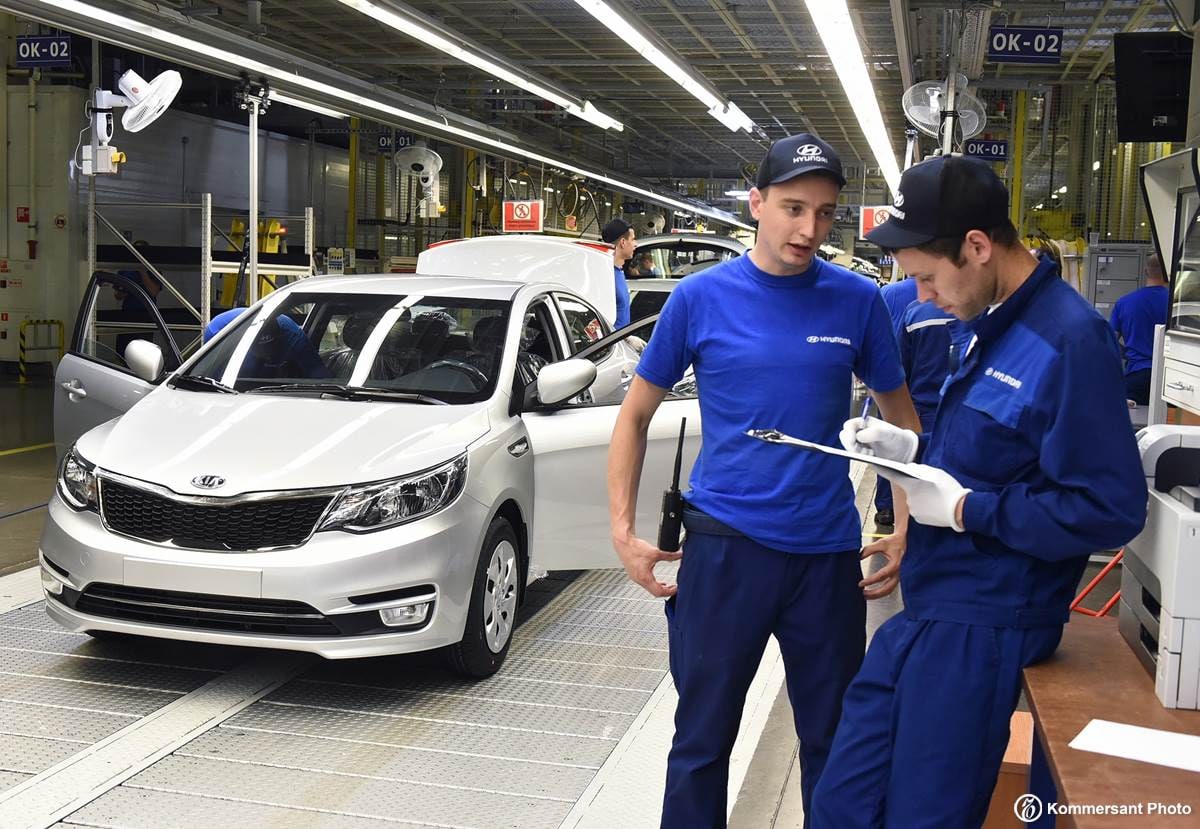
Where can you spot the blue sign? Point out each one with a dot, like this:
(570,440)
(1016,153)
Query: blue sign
(1024,44)
(40,52)
(986,148)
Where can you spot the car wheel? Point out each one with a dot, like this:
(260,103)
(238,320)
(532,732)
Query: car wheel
(492,614)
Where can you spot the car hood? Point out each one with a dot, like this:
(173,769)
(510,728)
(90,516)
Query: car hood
(261,442)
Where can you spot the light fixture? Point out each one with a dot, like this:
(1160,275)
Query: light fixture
(1095,165)
(279,97)
(1062,189)
(295,83)
(427,32)
(740,195)
(549,189)
(1038,206)
(725,111)
(837,32)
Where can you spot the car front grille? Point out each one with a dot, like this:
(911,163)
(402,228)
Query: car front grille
(242,525)
(275,617)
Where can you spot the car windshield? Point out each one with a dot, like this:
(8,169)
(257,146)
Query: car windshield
(433,349)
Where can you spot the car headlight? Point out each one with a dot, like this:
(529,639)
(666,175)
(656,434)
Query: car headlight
(398,501)
(77,482)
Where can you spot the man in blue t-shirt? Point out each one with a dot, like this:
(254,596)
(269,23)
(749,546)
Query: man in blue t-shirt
(897,296)
(619,233)
(773,537)
(1134,318)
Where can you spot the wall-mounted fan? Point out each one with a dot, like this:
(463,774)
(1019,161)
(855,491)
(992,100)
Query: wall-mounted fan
(925,108)
(424,164)
(143,101)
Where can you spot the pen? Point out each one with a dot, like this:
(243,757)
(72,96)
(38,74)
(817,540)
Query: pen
(866,407)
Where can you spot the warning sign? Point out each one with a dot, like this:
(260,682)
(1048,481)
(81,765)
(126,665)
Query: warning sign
(23,215)
(571,222)
(523,216)
(870,218)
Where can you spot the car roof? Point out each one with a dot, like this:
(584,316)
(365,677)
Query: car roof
(425,284)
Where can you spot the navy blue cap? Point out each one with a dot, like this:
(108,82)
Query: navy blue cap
(615,229)
(796,155)
(943,197)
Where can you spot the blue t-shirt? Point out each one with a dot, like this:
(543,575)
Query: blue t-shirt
(1134,317)
(897,296)
(772,352)
(218,323)
(622,298)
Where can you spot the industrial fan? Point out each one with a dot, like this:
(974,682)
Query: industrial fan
(144,102)
(937,107)
(423,164)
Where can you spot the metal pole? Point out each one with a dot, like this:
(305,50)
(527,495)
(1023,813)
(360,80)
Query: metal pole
(205,258)
(352,191)
(1016,195)
(91,213)
(252,224)
(309,236)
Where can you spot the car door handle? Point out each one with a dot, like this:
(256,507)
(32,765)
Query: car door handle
(518,448)
(626,380)
(1179,386)
(74,389)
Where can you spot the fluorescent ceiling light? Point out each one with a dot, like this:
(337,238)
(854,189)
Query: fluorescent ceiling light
(727,112)
(279,97)
(836,29)
(414,24)
(377,108)
(1095,165)
(1062,189)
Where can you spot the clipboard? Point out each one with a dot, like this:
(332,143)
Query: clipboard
(894,468)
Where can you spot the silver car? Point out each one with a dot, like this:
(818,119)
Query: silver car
(355,466)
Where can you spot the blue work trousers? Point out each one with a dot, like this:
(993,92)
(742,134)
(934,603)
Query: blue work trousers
(925,725)
(733,595)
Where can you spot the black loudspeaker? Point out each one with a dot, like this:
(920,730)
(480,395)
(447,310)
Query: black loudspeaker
(1154,71)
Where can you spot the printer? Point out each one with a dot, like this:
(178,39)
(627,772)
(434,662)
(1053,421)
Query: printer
(1160,580)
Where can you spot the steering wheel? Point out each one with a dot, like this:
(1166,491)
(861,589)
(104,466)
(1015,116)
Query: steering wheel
(478,377)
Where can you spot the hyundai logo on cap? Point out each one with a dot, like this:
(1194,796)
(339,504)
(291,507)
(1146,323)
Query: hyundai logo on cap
(797,155)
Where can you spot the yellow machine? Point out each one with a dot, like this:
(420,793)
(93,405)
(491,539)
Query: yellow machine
(272,238)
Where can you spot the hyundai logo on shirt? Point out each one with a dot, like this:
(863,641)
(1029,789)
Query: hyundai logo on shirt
(835,340)
(1007,379)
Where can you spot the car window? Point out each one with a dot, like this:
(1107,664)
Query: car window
(448,348)
(645,303)
(617,358)
(680,259)
(584,323)
(117,316)
(538,346)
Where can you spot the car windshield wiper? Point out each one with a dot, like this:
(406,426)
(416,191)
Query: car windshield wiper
(198,382)
(349,392)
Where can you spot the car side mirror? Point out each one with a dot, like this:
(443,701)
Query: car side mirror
(559,382)
(145,358)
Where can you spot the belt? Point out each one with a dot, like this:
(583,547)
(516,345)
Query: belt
(979,614)
(701,523)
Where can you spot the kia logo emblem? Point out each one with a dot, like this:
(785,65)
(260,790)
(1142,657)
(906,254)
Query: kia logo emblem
(208,481)
(809,149)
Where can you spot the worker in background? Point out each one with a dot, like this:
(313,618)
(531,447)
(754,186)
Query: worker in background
(1133,318)
(1031,466)
(619,233)
(897,296)
(773,536)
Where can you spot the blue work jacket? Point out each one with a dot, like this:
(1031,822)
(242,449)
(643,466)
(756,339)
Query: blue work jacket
(1034,421)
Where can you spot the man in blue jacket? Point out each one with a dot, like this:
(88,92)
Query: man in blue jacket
(774,539)
(1133,318)
(1031,466)
(897,296)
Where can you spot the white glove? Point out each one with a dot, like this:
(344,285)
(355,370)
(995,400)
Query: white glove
(878,438)
(933,502)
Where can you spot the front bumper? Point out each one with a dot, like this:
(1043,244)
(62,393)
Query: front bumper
(197,595)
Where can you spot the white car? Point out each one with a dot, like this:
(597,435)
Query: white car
(355,466)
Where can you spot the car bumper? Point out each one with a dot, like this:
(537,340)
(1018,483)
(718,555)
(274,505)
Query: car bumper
(235,598)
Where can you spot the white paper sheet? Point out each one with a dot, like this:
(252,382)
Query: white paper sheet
(908,470)
(1149,745)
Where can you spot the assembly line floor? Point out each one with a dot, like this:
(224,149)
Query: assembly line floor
(573,731)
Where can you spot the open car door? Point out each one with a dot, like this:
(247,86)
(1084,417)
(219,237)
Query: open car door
(93,383)
(570,449)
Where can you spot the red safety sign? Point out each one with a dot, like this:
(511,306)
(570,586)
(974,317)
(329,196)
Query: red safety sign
(522,216)
(870,218)
(4,317)
(3,266)
(23,215)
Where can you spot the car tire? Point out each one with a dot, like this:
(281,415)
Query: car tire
(491,616)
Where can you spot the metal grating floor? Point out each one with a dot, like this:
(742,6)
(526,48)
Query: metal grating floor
(382,742)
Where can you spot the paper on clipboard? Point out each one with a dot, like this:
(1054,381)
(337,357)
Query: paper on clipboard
(906,470)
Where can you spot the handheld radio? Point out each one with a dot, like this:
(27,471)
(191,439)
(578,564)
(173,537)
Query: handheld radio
(671,521)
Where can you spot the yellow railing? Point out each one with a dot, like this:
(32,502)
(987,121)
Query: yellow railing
(62,343)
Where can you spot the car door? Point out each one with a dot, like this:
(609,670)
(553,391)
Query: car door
(93,384)
(570,448)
